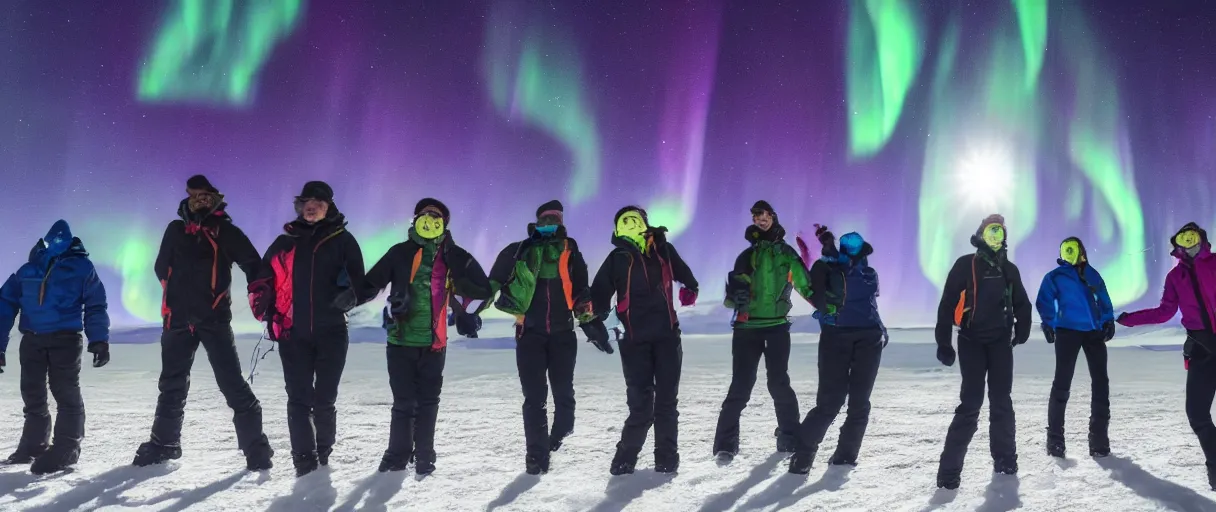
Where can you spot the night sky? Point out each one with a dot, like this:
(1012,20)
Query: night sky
(906,121)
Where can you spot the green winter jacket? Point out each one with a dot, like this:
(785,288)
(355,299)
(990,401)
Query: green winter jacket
(774,271)
(415,330)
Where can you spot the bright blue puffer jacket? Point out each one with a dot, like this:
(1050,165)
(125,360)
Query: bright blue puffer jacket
(1075,298)
(58,290)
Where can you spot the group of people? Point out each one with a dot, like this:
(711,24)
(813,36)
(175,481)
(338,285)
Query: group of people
(313,274)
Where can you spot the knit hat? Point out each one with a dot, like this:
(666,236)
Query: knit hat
(552,208)
(630,208)
(433,205)
(318,190)
(200,182)
(995,218)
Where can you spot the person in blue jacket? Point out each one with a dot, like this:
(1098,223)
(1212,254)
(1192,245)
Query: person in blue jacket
(58,294)
(1077,315)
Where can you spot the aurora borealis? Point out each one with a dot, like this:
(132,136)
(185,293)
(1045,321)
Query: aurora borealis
(905,120)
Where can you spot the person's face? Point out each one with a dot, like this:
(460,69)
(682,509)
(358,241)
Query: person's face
(994,236)
(1187,239)
(201,200)
(762,219)
(631,225)
(1070,251)
(312,210)
(429,226)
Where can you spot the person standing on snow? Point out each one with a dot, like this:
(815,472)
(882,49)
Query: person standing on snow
(1191,287)
(427,273)
(1076,314)
(542,282)
(303,293)
(845,296)
(759,290)
(640,271)
(985,298)
(194,266)
(58,295)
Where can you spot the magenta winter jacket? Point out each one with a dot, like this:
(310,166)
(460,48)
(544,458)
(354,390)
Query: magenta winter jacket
(1182,293)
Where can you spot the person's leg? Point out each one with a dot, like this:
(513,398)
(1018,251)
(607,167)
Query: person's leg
(867,356)
(562,354)
(1002,428)
(835,353)
(36,433)
(668,361)
(1200,389)
(430,385)
(177,348)
(1067,346)
(1099,406)
(531,360)
(746,347)
(330,363)
(785,402)
(63,358)
(973,365)
(299,357)
(402,380)
(246,409)
(638,366)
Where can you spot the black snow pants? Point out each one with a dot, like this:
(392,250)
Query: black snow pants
(537,356)
(1200,389)
(312,370)
(177,349)
(415,375)
(848,365)
(1068,346)
(55,356)
(980,359)
(748,346)
(652,369)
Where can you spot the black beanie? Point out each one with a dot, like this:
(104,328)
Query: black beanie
(763,205)
(435,204)
(630,208)
(551,206)
(200,182)
(317,190)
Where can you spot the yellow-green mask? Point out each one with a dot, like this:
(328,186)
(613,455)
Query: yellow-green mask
(994,236)
(633,227)
(429,227)
(1070,251)
(1188,239)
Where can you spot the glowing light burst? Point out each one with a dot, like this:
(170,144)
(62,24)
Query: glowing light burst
(211,51)
(884,52)
(538,74)
(985,177)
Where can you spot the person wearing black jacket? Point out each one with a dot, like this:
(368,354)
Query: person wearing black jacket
(542,281)
(640,271)
(195,270)
(985,298)
(299,293)
(845,295)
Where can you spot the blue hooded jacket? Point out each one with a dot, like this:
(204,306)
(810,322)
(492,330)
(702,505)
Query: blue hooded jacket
(845,286)
(1074,297)
(58,290)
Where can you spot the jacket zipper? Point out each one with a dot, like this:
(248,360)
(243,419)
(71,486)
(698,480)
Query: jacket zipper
(42,289)
(312,274)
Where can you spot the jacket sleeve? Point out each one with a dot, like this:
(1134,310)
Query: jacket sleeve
(354,267)
(241,251)
(1162,313)
(681,272)
(468,278)
(603,288)
(10,305)
(1046,301)
(1104,303)
(1021,307)
(956,282)
(579,278)
(500,273)
(819,285)
(96,318)
(743,267)
(801,277)
(380,276)
(164,258)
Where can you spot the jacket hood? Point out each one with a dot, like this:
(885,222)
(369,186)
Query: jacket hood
(1205,247)
(754,234)
(1084,258)
(655,235)
(333,220)
(982,249)
(183,212)
(57,243)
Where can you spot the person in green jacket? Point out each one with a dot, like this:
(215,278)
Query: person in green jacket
(759,289)
(428,274)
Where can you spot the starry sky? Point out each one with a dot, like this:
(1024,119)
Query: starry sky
(906,121)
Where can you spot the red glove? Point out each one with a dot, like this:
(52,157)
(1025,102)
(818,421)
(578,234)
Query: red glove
(688,297)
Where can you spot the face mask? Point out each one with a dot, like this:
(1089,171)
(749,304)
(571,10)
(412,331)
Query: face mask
(429,227)
(1188,239)
(1070,251)
(994,236)
(631,225)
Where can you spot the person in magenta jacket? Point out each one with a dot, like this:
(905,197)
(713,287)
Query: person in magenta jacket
(1191,287)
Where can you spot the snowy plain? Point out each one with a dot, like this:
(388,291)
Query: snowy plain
(1156,463)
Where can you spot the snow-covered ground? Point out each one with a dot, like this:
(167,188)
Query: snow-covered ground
(1156,464)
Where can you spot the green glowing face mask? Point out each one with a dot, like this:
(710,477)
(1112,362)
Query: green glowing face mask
(994,236)
(429,227)
(1187,239)
(631,225)
(1070,251)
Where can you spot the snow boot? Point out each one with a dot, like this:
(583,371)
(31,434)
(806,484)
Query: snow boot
(1055,448)
(841,460)
(786,443)
(1212,477)
(724,457)
(323,454)
(667,464)
(25,454)
(388,463)
(1099,444)
(56,458)
(622,465)
(536,465)
(424,467)
(1007,466)
(258,456)
(152,452)
(949,480)
(801,462)
(305,463)
(555,441)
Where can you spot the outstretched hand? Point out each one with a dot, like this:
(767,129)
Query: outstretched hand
(946,354)
(101,353)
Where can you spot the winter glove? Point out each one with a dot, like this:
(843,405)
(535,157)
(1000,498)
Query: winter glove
(1122,319)
(1018,340)
(101,353)
(885,338)
(739,290)
(346,300)
(688,297)
(1049,333)
(1108,331)
(260,298)
(945,354)
(597,334)
(467,324)
(828,240)
(399,303)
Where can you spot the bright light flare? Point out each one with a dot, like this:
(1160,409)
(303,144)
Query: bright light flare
(984,176)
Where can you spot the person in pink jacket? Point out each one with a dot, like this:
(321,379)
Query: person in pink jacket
(1191,287)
